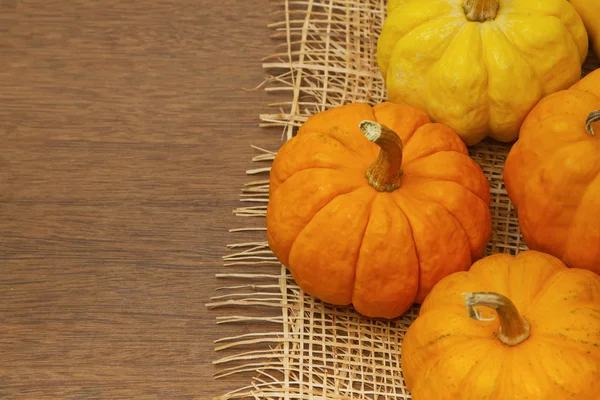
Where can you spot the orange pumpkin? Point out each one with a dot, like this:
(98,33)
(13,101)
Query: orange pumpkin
(552,175)
(524,327)
(371,206)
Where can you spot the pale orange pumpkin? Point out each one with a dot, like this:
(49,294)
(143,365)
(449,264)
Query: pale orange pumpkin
(376,217)
(552,175)
(524,327)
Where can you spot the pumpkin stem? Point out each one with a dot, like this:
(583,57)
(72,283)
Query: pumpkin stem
(514,329)
(386,171)
(481,10)
(593,117)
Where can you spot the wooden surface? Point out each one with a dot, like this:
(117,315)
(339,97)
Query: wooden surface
(124,136)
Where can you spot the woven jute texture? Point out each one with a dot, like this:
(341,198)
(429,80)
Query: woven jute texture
(325,58)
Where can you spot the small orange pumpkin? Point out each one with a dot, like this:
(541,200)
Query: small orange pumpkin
(373,205)
(524,327)
(552,175)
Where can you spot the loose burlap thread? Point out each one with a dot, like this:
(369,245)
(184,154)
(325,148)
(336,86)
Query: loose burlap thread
(326,58)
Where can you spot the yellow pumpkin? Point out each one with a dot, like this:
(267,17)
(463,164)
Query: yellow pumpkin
(479,66)
(589,11)
(524,327)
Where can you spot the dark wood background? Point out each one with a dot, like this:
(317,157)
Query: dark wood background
(124,135)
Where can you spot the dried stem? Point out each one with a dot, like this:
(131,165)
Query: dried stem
(481,10)
(514,329)
(386,171)
(594,116)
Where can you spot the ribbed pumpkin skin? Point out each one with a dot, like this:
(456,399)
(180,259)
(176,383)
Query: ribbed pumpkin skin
(480,78)
(447,356)
(552,176)
(346,243)
(589,10)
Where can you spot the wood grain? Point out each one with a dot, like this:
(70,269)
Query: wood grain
(125,134)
